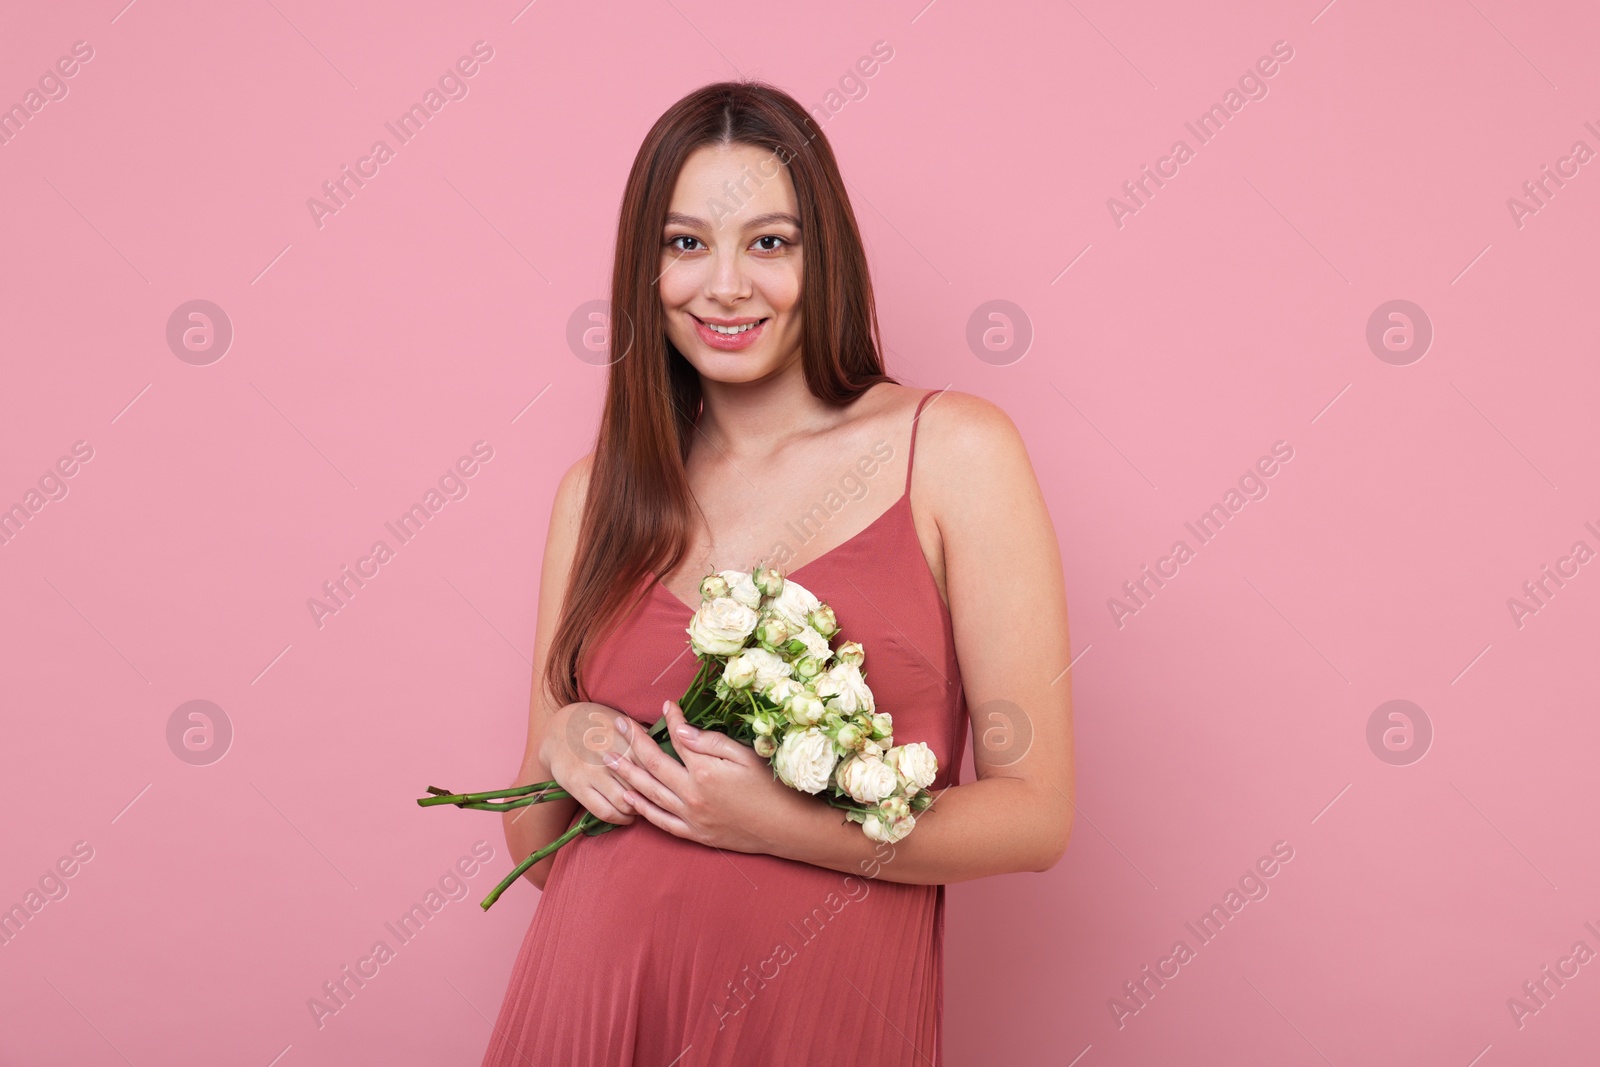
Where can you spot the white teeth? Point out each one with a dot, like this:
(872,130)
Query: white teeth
(731,330)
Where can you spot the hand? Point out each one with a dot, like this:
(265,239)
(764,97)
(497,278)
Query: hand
(722,794)
(577,738)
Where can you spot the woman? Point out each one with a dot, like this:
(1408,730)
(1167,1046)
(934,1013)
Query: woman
(748,421)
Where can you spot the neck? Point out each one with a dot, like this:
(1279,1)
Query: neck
(757,418)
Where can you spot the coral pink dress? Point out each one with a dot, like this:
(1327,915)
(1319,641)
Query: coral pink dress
(647,949)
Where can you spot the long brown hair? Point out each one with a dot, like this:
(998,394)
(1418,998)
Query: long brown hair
(636,516)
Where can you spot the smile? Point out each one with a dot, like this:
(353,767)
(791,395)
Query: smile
(729,336)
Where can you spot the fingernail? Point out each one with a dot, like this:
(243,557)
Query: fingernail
(688,732)
(610,759)
(665,704)
(622,724)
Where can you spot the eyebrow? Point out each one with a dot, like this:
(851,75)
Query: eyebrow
(678,218)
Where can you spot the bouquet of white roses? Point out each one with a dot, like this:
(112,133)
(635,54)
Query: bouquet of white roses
(769,677)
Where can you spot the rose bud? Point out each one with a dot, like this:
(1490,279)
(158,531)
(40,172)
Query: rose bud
(895,808)
(807,667)
(769,581)
(823,620)
(848,737)
(806,709)
(876,828)
(739,672)
(713,586)
(851,652)
(882,726)
(773,631)
(765,746)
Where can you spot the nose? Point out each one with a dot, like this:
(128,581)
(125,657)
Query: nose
(728,284)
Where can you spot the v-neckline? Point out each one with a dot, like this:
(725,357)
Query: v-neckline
(891,509)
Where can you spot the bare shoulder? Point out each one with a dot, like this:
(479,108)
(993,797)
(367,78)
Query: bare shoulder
(560,551)
(566,511)
(968,444)
(573,489)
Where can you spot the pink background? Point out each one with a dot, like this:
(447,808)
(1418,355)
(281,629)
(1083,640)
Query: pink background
(1228,313)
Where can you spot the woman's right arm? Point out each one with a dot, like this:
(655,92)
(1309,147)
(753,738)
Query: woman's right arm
(549,752)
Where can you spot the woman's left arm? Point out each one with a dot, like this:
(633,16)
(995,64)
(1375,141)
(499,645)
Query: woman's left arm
(1003,579)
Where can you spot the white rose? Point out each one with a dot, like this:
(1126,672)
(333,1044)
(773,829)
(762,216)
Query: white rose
(804,760)
(866,779)
(916,765)
(816,645)
(720,627)
(769,666)
(742,587)
(794,603)
(844,690)
(879,829)
(780,691)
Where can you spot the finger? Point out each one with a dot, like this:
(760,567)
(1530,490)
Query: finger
(597,804)
(636,778)
(626,735)
(634,741)
(613,791)
(659,817)
(678,729)
(714,743)
(660,766)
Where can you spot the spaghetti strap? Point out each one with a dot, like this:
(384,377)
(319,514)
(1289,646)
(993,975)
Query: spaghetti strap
(911,454)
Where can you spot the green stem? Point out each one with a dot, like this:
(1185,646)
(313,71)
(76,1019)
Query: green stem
(441,796)
(509,805)
(697,689)
(578,827)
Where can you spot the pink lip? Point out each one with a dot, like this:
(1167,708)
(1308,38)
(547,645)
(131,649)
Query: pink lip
(723,342)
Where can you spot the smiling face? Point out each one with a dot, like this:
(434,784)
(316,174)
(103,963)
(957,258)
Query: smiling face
(730,263)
